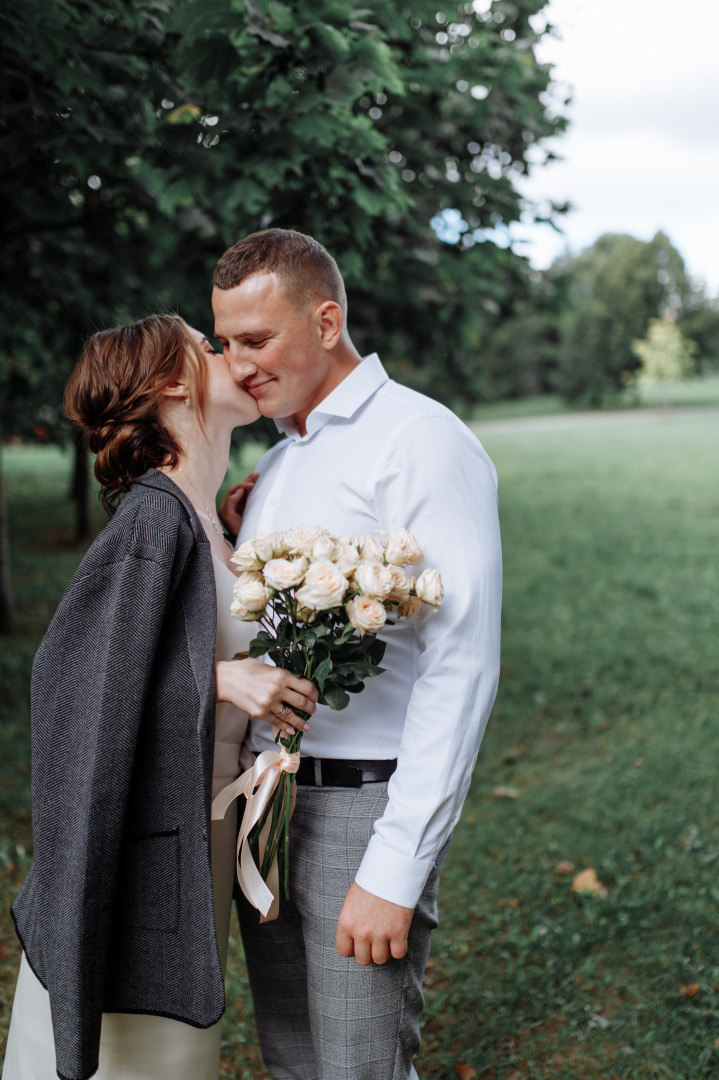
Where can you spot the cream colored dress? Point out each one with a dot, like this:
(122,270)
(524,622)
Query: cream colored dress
(152,1047)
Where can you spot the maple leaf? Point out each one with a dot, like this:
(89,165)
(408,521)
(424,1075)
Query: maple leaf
(465,1072)
(689,990)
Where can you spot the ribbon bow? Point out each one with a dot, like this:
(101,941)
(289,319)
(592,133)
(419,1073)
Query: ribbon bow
(257,784)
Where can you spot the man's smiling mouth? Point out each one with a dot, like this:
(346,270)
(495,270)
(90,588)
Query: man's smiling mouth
(258,387)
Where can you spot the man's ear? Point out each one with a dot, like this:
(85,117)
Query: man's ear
(329,322)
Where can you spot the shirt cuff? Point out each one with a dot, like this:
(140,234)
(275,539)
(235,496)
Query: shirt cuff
(391,875)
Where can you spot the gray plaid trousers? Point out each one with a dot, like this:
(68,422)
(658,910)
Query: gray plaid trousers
(320,1016)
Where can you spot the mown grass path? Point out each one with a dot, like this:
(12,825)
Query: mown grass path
(601,753)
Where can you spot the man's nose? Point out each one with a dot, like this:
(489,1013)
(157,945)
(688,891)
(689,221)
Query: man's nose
(241,366)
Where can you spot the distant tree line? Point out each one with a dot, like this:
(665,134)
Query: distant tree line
(573,331)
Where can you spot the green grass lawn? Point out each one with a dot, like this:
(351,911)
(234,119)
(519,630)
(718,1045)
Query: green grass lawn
(601,753)
(700,391)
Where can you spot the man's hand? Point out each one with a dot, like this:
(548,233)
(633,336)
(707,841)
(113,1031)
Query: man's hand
(232,506)
(372,929)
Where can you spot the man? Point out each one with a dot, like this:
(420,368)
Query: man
(381,784)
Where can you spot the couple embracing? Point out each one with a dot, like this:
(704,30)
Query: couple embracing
(140,714)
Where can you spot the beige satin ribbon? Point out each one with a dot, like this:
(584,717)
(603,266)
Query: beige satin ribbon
(257,785)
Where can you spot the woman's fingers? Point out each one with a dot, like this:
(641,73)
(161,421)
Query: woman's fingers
(283,725)
(239,493)
(232,506)
(295,693)
(292,700)
(288,720)
(302,689)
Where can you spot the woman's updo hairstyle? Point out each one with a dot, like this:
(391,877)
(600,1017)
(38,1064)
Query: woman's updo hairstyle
(115,391)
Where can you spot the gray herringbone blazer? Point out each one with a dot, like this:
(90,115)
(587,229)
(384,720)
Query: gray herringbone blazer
(116,912)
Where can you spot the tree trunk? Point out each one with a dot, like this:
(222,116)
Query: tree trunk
(7,614)
(81,489)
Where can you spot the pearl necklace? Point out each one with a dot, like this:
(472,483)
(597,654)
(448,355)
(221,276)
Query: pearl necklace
(207,513)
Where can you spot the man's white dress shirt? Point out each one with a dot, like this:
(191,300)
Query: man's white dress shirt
(378,456)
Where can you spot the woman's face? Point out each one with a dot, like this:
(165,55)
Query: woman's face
(224,397)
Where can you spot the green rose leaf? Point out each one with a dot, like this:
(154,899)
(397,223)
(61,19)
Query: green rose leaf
(322,673)
(335,697)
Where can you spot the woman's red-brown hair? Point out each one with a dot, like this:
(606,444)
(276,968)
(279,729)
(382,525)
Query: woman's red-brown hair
(115,391)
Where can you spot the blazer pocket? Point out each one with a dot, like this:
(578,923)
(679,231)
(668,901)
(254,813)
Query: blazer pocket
(149,882)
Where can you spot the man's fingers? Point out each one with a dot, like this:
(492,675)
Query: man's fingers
(380,952)
(344,943)
(363,953)
(398,948)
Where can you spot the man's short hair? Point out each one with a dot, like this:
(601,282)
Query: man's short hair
(306,270)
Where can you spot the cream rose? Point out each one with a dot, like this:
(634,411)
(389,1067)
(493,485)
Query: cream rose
(346,558)
(239,611)
(249,575)
(371,548)
(323,548)
(400,584)
(324,586)
(250,593)
(269,545)
(409,607)
(246,557)
(366,615)
(429,587)
(300,541)
(402,549)
(305,614)
(284,574)
(373,579)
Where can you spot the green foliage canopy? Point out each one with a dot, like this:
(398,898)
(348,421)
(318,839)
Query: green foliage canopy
(138,139)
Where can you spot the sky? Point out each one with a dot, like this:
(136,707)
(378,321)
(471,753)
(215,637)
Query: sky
(642,149)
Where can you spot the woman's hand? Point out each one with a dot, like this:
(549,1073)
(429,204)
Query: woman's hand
(232,506)
(266,693)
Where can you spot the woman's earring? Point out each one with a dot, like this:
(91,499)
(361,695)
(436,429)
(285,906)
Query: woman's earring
(187,400)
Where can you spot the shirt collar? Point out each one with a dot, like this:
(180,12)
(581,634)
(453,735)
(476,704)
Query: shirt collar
(344,400)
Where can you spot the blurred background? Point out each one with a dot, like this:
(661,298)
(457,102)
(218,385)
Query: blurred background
(521,197)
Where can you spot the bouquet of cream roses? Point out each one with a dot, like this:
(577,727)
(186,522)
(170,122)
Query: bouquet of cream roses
(321,600)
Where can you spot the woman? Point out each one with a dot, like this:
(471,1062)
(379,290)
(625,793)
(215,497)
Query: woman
(135,711)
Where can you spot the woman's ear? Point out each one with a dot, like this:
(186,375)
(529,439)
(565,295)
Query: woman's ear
(178,391)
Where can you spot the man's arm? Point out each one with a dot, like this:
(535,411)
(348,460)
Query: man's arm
(437,481)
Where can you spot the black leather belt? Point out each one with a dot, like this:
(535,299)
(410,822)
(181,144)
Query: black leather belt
(333,772)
